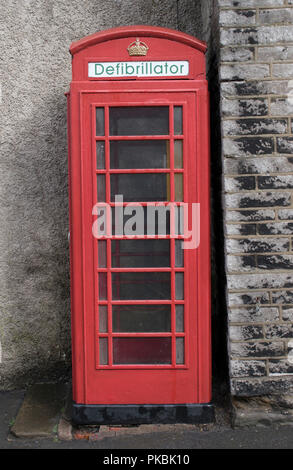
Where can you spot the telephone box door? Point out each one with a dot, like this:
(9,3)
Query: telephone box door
(141,294)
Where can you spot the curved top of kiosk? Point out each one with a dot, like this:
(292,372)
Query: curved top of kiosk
(137,53)
(133,31)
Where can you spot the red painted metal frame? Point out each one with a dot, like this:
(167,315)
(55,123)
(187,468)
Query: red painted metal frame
(171,137)
(190,383)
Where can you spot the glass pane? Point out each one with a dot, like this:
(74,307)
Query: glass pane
(140,253)
(179,318)
(178,153)
(179,350)
(103,286)
(141,318)
(178,120)
(140,187)
(103,318)
(101,186)
(179,286)
(179,220)
(100,153)
(103,351)
(100,121)
(179,254)
(139,154)
(141,220)
(102,253)
(139,120)
(142,350)
(141,286)
(178,182)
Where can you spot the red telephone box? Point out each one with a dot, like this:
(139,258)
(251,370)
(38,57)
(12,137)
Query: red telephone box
(139,226)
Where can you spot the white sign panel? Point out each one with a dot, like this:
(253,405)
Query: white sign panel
(166,68)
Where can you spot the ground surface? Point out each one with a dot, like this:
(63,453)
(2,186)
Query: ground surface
(218,436)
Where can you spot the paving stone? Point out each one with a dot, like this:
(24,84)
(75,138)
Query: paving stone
(64,430)
(40,411)
(259,411)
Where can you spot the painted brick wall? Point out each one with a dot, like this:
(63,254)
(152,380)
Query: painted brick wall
(256,67)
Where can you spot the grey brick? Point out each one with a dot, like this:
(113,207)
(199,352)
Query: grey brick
(250,3)
(237,17)
(285,214)
(248,298)
(248,368)
(275,182)
(255,126)
(246,146)
(281,228)
(275,262)
(247,107)
(237,54)
(268,53)
(257,199)
(285,145)
(261,386)
(251,88)
(282,297)
(241,229)
(257,245)
(253,315)
(238,36)
(279,331)
(241,263)
(261,35)
(280,367)
(282,70)
(244,71)
(240,183)
(281,107)
(287,314)
(258,165)
(278,15)
(258,349)
(247,332)
(260,281)
(251,215)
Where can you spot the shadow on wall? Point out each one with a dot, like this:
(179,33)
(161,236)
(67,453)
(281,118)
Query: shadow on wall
(219,306)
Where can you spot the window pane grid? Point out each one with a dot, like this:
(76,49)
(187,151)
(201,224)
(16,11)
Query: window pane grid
(109,302)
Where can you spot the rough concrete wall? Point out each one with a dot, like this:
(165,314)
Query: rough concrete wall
(35,72)
(256,66)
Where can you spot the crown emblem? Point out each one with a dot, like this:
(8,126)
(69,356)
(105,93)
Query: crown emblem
(137,48)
